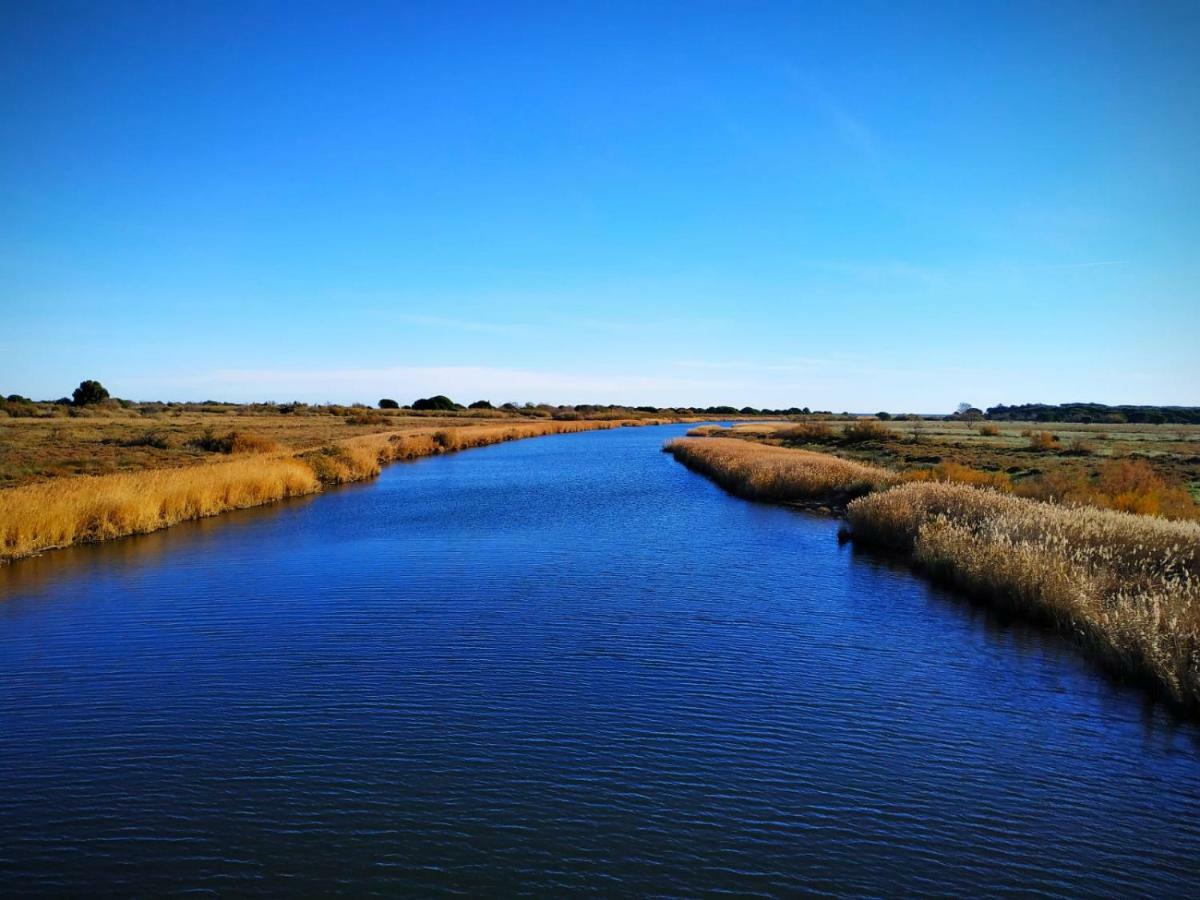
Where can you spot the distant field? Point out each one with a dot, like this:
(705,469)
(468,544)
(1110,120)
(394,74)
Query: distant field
(1045,460)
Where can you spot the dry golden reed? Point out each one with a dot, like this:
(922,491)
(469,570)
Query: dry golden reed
(766,472)
(69,511)
(1127,586)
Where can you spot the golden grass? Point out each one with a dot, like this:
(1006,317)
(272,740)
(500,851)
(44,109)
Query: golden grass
(1127,586)
(67,511)
(960,474)
(95,508)
(766,472)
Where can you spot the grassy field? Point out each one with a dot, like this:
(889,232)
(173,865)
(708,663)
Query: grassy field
(205,469)
(1124,584)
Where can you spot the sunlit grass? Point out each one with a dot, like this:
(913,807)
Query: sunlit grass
(67,511)
(765,472)
(1126,585)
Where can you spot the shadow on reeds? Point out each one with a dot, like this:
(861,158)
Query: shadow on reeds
(1033,629)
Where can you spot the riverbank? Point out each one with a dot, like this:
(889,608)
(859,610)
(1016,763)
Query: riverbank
(71,510)
(1125,586)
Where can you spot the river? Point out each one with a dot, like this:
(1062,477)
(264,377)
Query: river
(558,665)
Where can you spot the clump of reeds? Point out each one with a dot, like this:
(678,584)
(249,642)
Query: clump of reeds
(94,508)
(706,430)
(765,472)
(1127,586)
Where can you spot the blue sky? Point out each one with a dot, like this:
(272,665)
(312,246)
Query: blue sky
(878,206)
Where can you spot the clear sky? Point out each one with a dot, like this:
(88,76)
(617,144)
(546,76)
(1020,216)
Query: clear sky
(850,206)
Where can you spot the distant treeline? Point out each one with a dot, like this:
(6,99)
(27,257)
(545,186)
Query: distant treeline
(1095,412)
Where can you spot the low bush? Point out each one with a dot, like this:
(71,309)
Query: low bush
(367,418)
(1127,485)
(1042,440)
(233,442)
(989,430)
(865,430)
(808,433)
(960,474)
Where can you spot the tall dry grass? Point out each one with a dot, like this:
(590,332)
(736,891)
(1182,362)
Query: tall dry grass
(765,472)
(1125,585)
(69,511)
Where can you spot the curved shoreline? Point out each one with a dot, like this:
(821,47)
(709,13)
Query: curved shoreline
(52,515)
(1125,587)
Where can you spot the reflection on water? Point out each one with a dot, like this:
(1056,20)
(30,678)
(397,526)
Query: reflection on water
(549,666)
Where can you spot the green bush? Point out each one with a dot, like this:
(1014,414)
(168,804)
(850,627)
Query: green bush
(436,402)
(89,392)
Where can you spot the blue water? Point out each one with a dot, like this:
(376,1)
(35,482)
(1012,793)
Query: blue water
(558,665)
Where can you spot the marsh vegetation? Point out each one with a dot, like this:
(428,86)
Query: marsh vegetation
(1095,554)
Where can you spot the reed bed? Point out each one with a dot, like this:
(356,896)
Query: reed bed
(765,472)
(1126,586)
(66,511)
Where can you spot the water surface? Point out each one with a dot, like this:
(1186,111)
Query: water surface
(562,664)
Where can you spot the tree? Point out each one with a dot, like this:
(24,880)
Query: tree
(883,416)
(438,402)
(89,392)
(963,407)
(385,403)
(481,404)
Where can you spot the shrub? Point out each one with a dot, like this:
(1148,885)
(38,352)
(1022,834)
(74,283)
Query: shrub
(989,430)
(1126,485)
(368,418)
(1080,446)
(151,438)
(960,474)
(89,392)
(481,404)
(1042,440)
(234,442)
(387,403)
(866,430)
(436,402)
(808,433)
